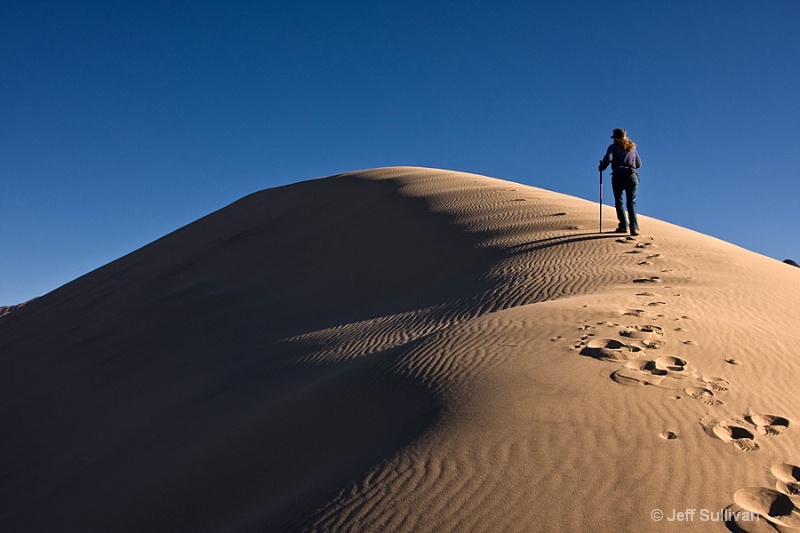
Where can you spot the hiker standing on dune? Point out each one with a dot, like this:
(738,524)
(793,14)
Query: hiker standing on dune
(624,160)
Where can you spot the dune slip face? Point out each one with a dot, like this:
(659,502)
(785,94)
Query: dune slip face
(407,349)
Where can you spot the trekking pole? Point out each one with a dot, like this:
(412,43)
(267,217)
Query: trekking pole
(601,199)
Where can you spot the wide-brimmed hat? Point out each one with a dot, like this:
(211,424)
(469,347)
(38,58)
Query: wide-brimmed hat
(619,133)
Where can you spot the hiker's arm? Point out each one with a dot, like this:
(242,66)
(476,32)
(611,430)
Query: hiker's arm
(607,159)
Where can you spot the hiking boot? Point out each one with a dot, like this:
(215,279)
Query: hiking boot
(621,229)
(634,232)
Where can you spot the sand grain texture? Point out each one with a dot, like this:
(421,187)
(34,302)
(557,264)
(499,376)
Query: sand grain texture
(405,349)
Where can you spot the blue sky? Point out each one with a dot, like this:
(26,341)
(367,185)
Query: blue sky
(122,121)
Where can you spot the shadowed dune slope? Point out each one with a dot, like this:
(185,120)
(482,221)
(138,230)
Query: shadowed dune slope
(402,349)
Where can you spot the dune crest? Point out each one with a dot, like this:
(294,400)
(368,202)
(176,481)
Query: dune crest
(405,349)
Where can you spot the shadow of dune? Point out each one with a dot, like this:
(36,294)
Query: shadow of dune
(157,392)
(560,240)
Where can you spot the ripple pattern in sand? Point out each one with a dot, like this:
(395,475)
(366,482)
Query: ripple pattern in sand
(464,486)
(544,262)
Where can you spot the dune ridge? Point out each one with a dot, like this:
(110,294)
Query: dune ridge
(405,349)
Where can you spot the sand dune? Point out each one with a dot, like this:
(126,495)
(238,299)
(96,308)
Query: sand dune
(407,349)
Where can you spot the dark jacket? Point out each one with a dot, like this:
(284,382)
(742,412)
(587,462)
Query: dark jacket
(622,162)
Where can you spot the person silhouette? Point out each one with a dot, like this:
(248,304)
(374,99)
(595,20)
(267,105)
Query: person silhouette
(624,161)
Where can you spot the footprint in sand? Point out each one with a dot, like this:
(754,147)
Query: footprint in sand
(703,394)
(717,384)
(665,372)
(653,344)
(714,385)
(633,312)
(670,363)
(788,478)
(610,350)
(647,331)
(636,375)
(774,506)
(768,424)
(651,279)
(735,432)
(668,435)
(777,507)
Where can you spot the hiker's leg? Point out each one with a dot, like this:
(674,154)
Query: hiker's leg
(619,189)
(631,190)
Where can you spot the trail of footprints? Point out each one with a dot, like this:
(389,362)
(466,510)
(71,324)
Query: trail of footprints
(639,349)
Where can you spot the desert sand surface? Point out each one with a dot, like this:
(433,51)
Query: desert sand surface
(414,350)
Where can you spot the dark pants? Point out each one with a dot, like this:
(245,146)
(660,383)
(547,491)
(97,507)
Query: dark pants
(628,184)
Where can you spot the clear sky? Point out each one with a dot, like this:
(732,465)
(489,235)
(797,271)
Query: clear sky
(121,121)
